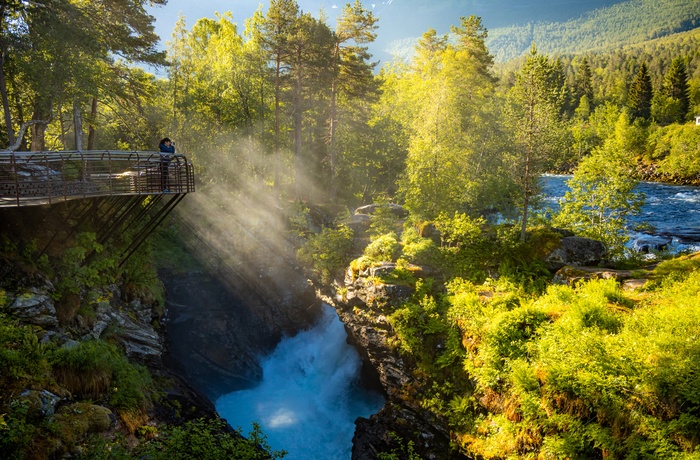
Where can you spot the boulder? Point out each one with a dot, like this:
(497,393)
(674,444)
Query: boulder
(646,244)
(396,209)
(40,403)
(74,422)
(35,308)
(139,339)
(571,275)
(576,251)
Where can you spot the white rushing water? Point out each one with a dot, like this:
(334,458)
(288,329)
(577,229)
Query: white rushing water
(309,397)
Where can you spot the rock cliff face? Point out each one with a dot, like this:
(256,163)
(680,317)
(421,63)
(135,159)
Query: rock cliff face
(218,326)
(400,420)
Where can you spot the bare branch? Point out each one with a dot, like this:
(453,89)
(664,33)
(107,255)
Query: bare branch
(22,130)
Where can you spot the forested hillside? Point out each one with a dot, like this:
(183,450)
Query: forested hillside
(605,28)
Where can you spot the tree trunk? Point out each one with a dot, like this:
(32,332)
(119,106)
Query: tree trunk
(298,119)
(334,108)
(38,133)
(5,101)
(78,125)
(276,184)
(91,125)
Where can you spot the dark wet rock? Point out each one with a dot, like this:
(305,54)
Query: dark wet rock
(218,329)
(393,426)
(648,244)
(577,251)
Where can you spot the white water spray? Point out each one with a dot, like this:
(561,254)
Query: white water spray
(309,397)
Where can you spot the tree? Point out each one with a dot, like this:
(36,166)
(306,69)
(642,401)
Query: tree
(309,60)
(676,87)
(351,69)
(640,94)
(536,102)
(583,85)
(602,194)
(58,56)
(279,25)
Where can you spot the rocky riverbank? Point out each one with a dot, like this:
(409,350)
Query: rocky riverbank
(133,327)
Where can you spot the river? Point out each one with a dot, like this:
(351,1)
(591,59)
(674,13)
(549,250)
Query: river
(310,394)
(672,212)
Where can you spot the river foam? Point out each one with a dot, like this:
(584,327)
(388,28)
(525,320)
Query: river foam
(310,394)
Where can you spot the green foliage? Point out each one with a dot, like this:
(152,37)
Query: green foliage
(201,438)
(328,252)
(383,221)
(206,440)
(383,248)
(601,196)
(139,276)
(419,250)
(21,356)
(676,150)
(16,431)
(419,324)
(78,271)
(97,369)
(611,27)
(299,219)
(404,451)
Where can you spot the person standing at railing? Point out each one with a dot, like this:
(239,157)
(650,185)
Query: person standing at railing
(167,148)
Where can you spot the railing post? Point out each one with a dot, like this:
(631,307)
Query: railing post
(14,167)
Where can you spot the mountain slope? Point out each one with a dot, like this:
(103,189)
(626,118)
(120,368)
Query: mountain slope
(625,23)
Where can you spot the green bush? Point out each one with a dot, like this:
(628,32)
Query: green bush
(384,248)
(327,253)
(16,431)
(419,250)
(207,440)
(22,357)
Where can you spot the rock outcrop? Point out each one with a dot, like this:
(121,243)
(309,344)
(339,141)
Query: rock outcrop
(577,251)
(401,419)
(217,328)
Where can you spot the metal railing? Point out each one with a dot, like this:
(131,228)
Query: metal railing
(35,178)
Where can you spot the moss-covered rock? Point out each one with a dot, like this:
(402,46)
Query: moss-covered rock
(75,421)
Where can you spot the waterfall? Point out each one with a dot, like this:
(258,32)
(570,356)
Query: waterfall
(310,394)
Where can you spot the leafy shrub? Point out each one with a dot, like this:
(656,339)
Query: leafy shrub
(419,250)
(328,252)
(383,248)
(207,440)
(21,355)
(76,273)
(16,431)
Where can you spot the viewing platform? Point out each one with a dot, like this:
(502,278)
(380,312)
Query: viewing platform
(40,178)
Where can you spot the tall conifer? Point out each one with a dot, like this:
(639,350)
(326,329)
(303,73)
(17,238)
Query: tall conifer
(640,94)
(676,86)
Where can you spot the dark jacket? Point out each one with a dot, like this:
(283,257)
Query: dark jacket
(165,149)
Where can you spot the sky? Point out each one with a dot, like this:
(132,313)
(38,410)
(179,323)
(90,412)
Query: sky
(398,19)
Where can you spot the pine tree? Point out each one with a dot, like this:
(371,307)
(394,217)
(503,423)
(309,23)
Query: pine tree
(640,94)
(676,87)
(583,85)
